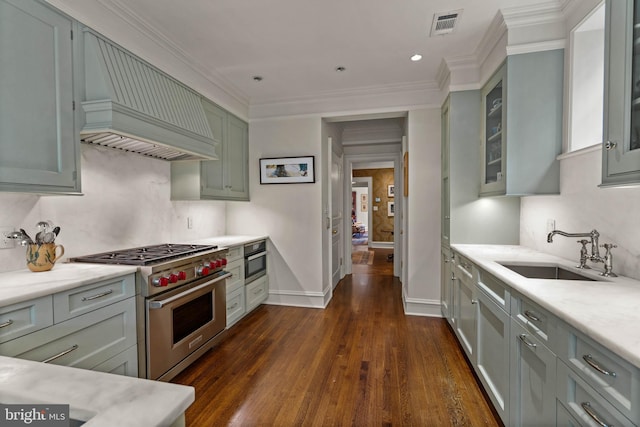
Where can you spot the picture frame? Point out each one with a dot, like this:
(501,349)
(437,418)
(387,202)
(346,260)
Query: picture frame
(390,190)
(391,209)
(287,170)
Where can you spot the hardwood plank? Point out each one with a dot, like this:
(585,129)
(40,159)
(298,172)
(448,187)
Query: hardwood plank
(359,362)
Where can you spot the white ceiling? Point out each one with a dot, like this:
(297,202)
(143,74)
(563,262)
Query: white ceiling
(295,45)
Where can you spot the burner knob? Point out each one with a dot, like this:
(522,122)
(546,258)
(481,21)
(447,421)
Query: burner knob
(218,263)
(173,278)
(224,261)
(182,275)
(212,265)
(202,271)
(160,281)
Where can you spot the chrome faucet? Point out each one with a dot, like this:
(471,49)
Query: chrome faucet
(593,236)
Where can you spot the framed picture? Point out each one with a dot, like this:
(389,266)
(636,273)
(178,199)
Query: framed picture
(287,170)
(390,209)
(390,190)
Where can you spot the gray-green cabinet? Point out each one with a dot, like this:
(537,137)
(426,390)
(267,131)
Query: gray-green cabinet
(223,179)
(39,132)
(446,289)
(464,306)
(522,125)
(621,128)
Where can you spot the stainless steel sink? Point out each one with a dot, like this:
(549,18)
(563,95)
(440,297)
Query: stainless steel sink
(553,272)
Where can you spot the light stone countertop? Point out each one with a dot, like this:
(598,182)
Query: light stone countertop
(105,400)
(606,310)
(227,241)
(22,285)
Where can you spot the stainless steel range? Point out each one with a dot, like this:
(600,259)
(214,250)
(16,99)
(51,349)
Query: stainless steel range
(182,302)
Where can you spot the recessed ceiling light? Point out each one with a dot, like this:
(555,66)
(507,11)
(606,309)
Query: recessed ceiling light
(340,69)
(257,78)
(416,57)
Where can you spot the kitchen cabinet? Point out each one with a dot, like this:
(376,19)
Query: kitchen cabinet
(236,307)
(256,292)
(446,289)
(465,306)
(521,125)
(224,179)
(532,376)
(39,127)
(90,327)
(621,127)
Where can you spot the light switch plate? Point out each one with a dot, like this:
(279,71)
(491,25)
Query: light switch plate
(375,208)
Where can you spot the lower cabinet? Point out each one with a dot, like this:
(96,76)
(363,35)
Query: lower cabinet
(445,283)
(256,292)
(89,327)
(235,306)
(533,375)
(464,308)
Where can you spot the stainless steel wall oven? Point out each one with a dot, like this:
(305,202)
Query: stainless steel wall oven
(255,260)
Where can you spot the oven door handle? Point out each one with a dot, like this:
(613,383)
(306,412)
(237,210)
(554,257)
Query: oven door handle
(252,257)
(161,303)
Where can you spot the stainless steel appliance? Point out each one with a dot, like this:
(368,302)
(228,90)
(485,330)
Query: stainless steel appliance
(181,305)
(255,260)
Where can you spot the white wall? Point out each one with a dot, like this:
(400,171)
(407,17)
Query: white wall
(581,207)
(291,214)
(125,204)
(422,290)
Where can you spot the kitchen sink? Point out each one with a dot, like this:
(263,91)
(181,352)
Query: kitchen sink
(553,272)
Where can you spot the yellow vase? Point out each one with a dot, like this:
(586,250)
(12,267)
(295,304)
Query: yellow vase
(43,257)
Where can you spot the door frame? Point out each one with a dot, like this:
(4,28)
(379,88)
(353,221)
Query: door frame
(396,158)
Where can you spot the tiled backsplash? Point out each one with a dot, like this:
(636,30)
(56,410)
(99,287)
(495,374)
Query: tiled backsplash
(126,203)
(581,207)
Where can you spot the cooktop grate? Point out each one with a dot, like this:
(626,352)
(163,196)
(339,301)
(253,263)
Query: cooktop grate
(144,255)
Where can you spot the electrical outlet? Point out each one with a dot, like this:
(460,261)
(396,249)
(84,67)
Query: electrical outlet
(551,225)
(189,222)
(5,242)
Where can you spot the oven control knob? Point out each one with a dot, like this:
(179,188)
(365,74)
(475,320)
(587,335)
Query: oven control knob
(224,261)
(202,271)
(182,275)
(160,281)
(212,265)
(173,278)
(218,263)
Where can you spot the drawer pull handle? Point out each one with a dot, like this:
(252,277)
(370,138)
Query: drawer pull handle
(7,323)
(531,316)
(104,294)
(258,291)
(589,359)
(593,414)
(232,307)
(524,339)
(59,355)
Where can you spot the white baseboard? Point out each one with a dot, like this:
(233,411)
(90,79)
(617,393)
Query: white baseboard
(422,307)
(299,298)
(381,245)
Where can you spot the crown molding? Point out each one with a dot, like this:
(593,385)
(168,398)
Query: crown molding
(142,26)
(530,15)
(496,31)
(536,47)
(443,75)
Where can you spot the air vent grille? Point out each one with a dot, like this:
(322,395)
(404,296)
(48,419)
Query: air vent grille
(445,23)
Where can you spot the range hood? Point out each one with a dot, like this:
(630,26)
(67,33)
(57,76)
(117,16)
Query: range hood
(132,106)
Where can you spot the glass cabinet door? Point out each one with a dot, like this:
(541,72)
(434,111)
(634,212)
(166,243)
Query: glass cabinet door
(621,145)
(493,135)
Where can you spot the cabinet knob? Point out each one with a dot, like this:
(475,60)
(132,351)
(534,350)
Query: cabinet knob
(610,145)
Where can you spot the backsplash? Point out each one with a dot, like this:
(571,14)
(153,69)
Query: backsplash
(126,203)
(581,207)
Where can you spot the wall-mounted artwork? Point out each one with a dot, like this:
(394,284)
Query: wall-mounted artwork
(391,209)
(287,170)
(390,190)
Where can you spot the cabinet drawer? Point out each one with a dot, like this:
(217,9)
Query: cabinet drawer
(235,307)
(25,317)
(257,291)
(235,253)
(564,418)
(125,363)
(82,342)
(584,403)
(236,281)
(84,299)
(495,289)
(464,267)
(536,321)
(610,375)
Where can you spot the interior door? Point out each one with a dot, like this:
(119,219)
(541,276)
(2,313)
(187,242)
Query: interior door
(336,218)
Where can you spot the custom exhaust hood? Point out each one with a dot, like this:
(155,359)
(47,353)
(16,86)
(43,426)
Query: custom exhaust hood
(132,106)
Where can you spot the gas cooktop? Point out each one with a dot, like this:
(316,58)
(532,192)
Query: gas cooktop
(145,255)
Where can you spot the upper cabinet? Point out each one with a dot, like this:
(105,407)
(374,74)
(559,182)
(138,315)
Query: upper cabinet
(621,148)
(522,125)
(39,141)
(224,179)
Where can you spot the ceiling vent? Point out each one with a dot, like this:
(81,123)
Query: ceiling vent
(445,23)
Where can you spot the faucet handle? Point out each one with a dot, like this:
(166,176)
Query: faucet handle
(584,242)
(608,246)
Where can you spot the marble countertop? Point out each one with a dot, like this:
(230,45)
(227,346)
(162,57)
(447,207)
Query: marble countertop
(105,400)
(22,285)
(605,310)
(226,241)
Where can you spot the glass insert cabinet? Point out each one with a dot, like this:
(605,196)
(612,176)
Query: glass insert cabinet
(621,147)
(493,132)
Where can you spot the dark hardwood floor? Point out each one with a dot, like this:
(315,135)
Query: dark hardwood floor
(359,362)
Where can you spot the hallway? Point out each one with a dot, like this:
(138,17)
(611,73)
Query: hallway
(359,362)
